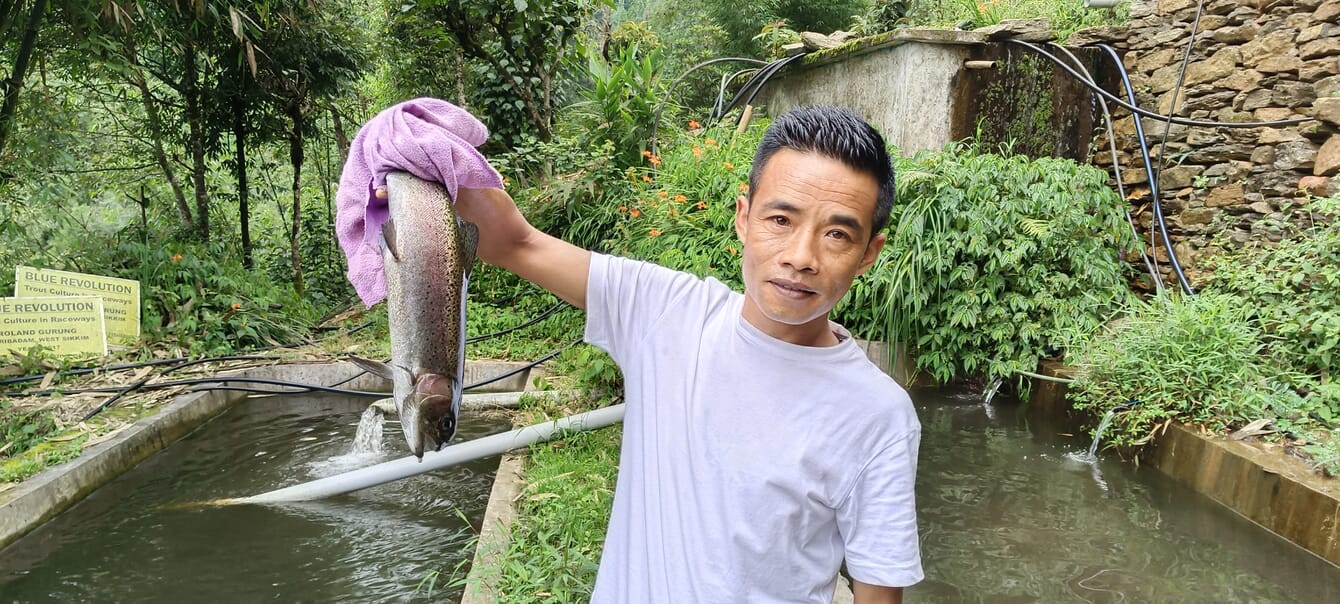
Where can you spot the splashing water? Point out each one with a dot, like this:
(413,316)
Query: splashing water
(1098,434)
(368,440)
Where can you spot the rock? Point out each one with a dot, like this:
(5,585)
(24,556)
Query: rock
(1270,45)
(1221,7)
(1256,99)
(1287,63)
(1178,177)
(1295,155)
(1199,137)
(1263,156)
(1028,30)
(1236,34)
(1317,49)
(1211,101)
(1241,15)
(1096,35)
(1197,216)
(1327,110)
(1163,79)
(1261,207)
(1327,13)
(1165,103)
(1274,136)
(1216,170)
(1226,195)
(1140,9)
(1273,114)
(1241,79)
(1308,34)
(1327,161)
(1215,68)
(1168,7)
(1314,185)
(1212,22)
(1316,70)
(817,41)
(1327,87)
(1307,4)
(793,49)
(1293,94)
(1148,62)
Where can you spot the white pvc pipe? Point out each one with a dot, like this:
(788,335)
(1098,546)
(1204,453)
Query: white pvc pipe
(455,454)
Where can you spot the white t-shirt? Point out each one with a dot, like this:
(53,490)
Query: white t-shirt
(750,467)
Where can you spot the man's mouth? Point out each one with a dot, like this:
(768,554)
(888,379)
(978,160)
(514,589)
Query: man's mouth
(791,288)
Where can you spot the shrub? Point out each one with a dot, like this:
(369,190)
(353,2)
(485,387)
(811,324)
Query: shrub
(1193,359)
(990,258)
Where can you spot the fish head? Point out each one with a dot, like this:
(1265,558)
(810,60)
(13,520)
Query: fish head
(429,414)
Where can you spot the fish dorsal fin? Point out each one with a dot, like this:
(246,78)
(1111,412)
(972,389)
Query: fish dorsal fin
(388,240)
(469,244)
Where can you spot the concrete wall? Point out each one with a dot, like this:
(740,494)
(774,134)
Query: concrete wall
(905,89)
(916,87)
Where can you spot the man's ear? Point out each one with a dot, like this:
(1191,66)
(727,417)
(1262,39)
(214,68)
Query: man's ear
(741,217)
(872,250)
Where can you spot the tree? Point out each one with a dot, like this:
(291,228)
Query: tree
(517,49)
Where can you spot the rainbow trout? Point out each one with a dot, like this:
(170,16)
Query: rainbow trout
(428,253)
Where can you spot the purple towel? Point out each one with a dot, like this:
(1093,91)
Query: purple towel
(429,138)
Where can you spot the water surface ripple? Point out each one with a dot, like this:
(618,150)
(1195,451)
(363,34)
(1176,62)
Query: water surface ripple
(1009,515)
(129,541)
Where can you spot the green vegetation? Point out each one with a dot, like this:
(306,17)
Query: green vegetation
(990,259)
(1258,344)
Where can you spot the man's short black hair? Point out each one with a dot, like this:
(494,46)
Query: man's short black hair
(832,132)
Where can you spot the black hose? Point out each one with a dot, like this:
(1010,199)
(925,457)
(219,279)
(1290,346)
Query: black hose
(1156,193)
(502,332)
(656,115)
(1147,113)
(1116,168)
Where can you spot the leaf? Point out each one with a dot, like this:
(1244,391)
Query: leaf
(520,5)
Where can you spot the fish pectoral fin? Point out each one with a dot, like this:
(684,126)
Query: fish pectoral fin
(389,240)
(469,244)
(377,368)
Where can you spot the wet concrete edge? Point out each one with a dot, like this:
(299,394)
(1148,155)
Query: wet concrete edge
(1280,494)
(56,489)
(495,531)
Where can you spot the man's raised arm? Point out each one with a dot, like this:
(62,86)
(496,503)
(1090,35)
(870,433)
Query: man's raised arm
(508,241)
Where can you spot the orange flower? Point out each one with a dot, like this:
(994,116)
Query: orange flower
(702,205)
(646,178)
(655,161)
(710,142)
(176,257)
(646,153)
(697,151)
(730,250)
(728,165)
(693,124)
(680,199)
(237,306)
(654,233)
(744,187)
(634,212)
(623,208)
(661,193)
(507,181)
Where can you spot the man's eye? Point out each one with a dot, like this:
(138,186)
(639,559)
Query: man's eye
(839,235)
(780,220)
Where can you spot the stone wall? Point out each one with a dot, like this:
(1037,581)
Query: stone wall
(1252,61)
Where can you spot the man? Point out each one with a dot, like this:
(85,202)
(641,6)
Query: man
(761,449)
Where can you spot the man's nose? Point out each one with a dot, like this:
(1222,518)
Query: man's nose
(801,253)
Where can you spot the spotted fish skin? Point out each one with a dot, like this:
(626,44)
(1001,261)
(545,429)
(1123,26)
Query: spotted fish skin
(428,254)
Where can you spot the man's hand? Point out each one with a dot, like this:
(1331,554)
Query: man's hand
(865,593)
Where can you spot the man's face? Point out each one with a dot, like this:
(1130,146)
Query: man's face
(806,235)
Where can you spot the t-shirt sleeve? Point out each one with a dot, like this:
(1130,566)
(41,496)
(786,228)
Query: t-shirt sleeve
(624,300)
(878,520)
